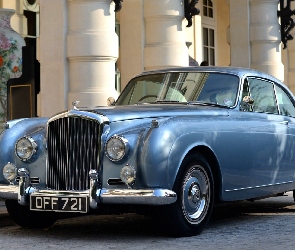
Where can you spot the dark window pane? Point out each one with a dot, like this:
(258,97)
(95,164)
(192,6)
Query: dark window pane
(210,3)
(206,54)
(205,37)
(212,57)
(211,37)
(210,14)
(205,11)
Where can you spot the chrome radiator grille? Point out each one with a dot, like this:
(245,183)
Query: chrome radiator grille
(73,145)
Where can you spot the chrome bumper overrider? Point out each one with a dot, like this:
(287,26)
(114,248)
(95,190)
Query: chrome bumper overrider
(100,196)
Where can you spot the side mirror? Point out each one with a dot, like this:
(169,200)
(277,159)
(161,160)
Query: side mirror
(111,101)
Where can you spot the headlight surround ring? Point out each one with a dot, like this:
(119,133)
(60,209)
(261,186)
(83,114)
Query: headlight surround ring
(116,148)
(26,149)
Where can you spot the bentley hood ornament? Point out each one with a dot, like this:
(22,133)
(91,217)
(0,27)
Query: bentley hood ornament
(75,103)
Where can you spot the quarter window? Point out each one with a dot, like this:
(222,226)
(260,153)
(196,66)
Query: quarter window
(285,104)
(263,95)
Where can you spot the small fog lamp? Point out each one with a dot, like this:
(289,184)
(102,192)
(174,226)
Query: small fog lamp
(9,172)
(128,174)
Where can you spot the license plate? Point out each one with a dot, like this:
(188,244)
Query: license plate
(78,204)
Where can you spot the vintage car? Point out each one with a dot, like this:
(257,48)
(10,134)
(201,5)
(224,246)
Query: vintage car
(175,142)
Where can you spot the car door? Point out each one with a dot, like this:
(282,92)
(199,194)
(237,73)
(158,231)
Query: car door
(287,110)
(271,140)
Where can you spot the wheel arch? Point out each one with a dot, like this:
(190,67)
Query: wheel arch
(191,212)
(214,166)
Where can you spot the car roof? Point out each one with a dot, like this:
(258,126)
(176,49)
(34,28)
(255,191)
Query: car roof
(241,72)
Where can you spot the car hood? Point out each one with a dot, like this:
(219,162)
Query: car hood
(120,113)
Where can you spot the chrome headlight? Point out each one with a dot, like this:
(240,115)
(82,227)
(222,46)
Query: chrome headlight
(116,148)
(25,148)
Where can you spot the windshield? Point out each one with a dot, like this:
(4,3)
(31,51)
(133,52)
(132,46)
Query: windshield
(203,87)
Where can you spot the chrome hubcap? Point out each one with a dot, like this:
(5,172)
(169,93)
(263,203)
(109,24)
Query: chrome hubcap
(195,195)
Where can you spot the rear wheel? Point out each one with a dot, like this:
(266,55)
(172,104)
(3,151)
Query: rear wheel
(195,197)
(24,217)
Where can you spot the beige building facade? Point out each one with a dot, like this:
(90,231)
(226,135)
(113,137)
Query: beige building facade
(88,52)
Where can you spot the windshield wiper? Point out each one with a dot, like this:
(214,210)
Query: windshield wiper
(167,101)
(207,104)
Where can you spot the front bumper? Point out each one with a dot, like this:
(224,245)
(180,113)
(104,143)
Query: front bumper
(96,197)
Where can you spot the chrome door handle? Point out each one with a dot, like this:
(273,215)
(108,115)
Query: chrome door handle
(284,122)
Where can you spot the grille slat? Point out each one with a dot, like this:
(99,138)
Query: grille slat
(73,149)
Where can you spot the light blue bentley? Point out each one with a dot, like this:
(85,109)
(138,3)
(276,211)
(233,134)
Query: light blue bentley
(177,141)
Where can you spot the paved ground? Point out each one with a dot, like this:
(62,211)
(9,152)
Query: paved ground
(266,224)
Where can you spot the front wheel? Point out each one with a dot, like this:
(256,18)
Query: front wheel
(24,217)
(195,197)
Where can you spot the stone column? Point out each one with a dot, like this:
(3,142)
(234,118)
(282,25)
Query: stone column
(291,58)
(265,38)
(92,50)
(240,51)
(164,34)
(131,40)
(51,53)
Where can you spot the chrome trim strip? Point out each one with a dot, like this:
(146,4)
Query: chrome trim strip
(49,192)
(262,186)
(82,114)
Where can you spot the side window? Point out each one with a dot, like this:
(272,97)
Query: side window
(264,96)
(286,106)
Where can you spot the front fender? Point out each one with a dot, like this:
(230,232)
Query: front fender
(165,147)
(182,146)
(32,127)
